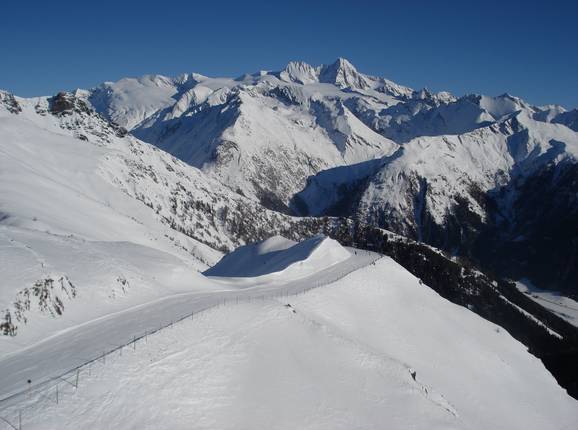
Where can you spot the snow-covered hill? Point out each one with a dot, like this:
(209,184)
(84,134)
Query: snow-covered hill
(442,170)
(374,348)
(278,257)
(92,216)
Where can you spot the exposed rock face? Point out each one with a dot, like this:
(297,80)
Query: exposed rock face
(66,103)
(9,102)
(77,114)
(46,296)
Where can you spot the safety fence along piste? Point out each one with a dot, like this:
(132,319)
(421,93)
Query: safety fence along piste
(14,407)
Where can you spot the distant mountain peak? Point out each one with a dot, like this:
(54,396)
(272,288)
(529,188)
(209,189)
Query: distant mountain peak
(343,74)
(300,72)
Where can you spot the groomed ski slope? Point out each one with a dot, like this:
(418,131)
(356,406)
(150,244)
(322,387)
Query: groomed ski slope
(341,356)
(83,342)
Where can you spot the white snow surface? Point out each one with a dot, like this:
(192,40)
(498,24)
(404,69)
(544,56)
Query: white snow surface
(242,130)
(88,222)
(340,356)
(278,256)
(562,306)
(91,217)
(432,173)
(307,119)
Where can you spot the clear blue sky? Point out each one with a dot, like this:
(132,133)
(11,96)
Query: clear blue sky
(527,48)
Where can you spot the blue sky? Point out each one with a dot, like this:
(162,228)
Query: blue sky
(526,48)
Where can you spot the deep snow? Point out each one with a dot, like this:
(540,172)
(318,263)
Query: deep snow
(338,357)
(278,256)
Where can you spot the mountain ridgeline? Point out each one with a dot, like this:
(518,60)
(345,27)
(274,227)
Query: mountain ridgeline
(441,184)
(493,179)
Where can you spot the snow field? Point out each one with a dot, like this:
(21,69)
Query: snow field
(338,357)
(64,352)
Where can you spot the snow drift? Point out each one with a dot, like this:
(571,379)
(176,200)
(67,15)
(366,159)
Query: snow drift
(279,256)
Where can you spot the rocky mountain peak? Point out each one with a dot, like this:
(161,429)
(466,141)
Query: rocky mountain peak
(299,72)
(9,102)
(343,74)
(66,103)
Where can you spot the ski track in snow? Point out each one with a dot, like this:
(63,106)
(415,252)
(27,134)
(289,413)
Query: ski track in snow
(72,347)
(354,354)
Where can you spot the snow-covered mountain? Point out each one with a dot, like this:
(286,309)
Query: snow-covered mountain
(91,214)
(510,181)
(324,140)
(114,200)
(369,347)
(247,130)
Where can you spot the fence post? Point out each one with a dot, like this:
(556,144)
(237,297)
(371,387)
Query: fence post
(56,393)
(19,420)
(134,343)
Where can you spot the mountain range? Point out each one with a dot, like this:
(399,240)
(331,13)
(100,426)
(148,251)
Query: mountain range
(119,196)
(490,179)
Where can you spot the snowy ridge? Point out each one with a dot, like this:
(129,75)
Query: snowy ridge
(119,219)
(280,257)
(430,176)
(105,237)
(148,318)
(306,119)
(232,127)
(367,326)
